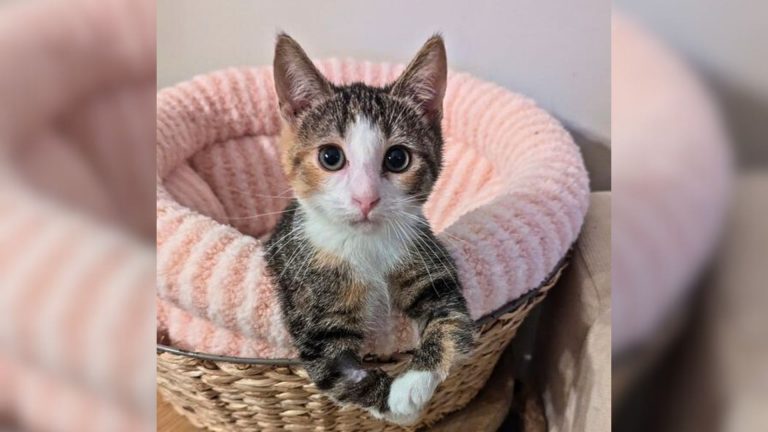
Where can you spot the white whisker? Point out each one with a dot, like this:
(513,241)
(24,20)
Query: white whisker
(436,252)
(421,257)
(255,216)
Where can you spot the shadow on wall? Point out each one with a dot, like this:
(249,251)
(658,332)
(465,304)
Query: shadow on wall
(745,112)
(597,158)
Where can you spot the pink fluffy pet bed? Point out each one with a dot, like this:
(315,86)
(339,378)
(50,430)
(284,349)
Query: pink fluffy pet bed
(508,205)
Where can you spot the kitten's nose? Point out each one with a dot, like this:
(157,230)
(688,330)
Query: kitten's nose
(366,204)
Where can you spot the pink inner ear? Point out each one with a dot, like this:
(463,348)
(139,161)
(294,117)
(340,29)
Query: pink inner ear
(291,111)
(297,80)
(424,80)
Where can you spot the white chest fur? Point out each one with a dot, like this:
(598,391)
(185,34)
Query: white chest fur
(372,256)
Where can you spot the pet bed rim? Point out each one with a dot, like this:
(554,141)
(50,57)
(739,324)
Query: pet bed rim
(485,319)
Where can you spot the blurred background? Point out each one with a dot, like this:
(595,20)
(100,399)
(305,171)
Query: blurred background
(724,42)
(689,235)
(77,268)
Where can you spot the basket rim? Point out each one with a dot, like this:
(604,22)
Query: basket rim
(509,307)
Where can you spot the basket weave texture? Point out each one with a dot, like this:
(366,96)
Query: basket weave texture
(229,396)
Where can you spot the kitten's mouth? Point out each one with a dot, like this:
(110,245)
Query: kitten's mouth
(364,223)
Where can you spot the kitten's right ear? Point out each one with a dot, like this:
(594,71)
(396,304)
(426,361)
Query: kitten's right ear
(425,78)
(297,81)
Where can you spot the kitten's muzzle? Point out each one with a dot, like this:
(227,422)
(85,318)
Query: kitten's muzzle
(366,204)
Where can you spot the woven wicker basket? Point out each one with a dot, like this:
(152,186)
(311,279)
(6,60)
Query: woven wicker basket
(239,394)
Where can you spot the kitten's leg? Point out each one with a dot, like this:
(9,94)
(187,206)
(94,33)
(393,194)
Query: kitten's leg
(330,355)
(344,379)
(435,301)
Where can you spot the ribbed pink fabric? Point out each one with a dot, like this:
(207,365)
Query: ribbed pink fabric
(508,205)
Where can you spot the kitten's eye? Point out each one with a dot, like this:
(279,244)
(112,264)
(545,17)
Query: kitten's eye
(331,157)
(397,159)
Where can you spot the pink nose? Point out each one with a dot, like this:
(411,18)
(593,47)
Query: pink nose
(366,204)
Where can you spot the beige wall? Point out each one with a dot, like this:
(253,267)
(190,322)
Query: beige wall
(555,51)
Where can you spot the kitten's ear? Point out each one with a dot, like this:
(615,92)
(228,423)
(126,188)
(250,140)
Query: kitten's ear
(297,81)
(424,79)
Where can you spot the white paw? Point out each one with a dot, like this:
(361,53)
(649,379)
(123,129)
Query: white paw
(409,394)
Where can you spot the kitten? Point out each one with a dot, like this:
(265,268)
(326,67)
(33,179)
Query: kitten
(354,242)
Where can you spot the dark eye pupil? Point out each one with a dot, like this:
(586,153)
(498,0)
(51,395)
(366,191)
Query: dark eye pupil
(397,159)
(331,158)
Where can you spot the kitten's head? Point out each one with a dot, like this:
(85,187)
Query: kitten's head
(361,155)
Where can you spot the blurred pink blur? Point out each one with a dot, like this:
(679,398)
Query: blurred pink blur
(689,232)
(77,91)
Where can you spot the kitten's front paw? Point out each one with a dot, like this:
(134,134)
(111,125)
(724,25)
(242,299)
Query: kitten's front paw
(409,394)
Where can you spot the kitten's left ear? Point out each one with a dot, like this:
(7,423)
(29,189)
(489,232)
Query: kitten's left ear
(424,79)
(298,83)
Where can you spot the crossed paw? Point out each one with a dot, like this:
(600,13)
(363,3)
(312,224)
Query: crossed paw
(408,395)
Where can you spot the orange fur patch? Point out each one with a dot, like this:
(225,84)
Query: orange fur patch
(305,177)
(448,348)
(353,296)
(287,145)
(443,330)
(408,180)
(326,260)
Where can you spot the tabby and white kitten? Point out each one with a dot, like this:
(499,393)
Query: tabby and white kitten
(354,242)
